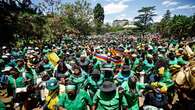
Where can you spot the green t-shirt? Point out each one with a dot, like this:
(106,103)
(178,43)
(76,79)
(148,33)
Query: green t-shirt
(121,78)
(20,82)
(136,63)
(167,79)
(173,62)
(97,65)
(81,80)
(132,98)
(95,85)
(79,103)
(181,61)
(12,85)
(147,66)
(111,104)
(2,106)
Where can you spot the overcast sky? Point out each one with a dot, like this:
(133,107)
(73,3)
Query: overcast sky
(127,9)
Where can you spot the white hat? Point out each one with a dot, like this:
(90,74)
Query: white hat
(36,48)
(134,55)
(149,56)
(4,56)
(8,68)
(7,54)
(29,48)
(4,47)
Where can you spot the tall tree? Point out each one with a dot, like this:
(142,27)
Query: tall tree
(145,18)
(98,17)
(167,16)
(78,16)
(164,25)
(180,26)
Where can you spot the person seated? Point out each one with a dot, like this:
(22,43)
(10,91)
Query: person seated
(78,76)
(108,97)
(74,98)
(94,82)
(132,92)
(52,99)
(124,74)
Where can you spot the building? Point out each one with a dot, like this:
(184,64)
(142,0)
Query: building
(120,23)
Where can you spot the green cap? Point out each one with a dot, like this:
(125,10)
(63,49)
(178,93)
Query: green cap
(52,84)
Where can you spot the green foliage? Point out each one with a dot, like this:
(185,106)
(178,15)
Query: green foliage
(98,17)
(8,17)
(178,25)
(145,18)
(78,17)
(164,26)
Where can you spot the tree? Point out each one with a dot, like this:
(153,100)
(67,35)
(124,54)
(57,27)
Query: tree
(78,17)
(145,18)
(164,25)
(167,16)
(98,17)
(180,26)
(9,14)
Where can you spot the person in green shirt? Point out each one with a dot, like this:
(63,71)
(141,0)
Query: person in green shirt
(74,98)
(132,92)
(124,74)
(2,106)
(5,99)
(108,97)
(172,59)
(148,64)
(94,82)
(108,72)
(30,75)
(79,77)
(96,64)
(20,65)
(135,61)
(46,64)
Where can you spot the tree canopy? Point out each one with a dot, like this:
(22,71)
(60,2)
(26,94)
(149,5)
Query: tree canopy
(98,17)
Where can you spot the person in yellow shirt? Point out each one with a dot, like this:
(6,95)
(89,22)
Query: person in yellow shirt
(52,99)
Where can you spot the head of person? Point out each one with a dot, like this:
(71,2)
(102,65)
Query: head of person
(45,76)
(95,75)
(107,70)
(171,56)
(134,56)
(108,60)
(71,90)
(15,73)
(108,89)
(20,62)
(94,60)
(52,85)
(45,60)
(125,70)
(149,58)
(82,58)
(62,67)
(76,70)
(3,82)
(132,82)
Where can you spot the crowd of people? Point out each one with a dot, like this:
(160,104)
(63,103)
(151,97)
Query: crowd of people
(110,72)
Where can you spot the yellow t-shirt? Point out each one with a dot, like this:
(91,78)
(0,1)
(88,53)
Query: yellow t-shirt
(52,103)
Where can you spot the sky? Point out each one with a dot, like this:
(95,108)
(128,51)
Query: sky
(127,9)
